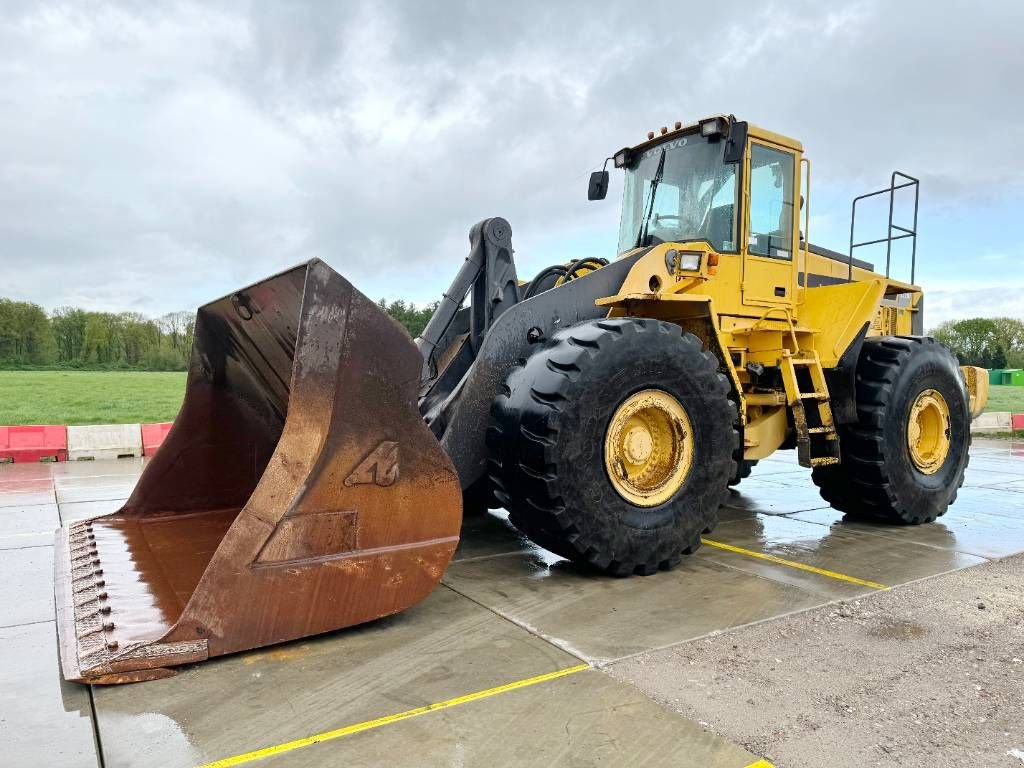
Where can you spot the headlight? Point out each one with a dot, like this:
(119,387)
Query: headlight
(622,158)
(689,261)
(682,261)
(712,128)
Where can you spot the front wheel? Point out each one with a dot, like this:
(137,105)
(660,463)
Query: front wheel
(613,445)
(903,460)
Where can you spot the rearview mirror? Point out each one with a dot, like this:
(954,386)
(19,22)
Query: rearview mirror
(598,187)
(736,143)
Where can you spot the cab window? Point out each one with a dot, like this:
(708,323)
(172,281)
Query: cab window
(771,202)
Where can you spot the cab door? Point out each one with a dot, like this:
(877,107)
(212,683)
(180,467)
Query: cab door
(770,223)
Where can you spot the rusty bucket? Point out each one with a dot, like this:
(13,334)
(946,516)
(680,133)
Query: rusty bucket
(298,492)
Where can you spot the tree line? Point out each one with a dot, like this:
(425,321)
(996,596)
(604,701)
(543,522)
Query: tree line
(996,342)
(70,337)
(76,338)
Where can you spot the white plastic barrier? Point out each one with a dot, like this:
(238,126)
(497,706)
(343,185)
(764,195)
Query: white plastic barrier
(992,421)
(104,441)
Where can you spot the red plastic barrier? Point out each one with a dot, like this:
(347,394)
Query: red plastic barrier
(153,436)
(33,443)
(1018,421)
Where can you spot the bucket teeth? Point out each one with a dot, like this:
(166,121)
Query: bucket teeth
(89,600)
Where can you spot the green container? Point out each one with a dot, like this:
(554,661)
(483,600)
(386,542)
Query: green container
(1010,377)
(995,376)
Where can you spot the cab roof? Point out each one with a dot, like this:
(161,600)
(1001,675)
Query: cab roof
(667,133)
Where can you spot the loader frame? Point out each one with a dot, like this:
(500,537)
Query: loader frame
(778,323)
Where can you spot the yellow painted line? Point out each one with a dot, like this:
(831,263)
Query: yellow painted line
(794,564)
(760,764)
(348,730)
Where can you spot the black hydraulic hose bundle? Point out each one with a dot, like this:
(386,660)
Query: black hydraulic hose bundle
(535,285)
(562,272)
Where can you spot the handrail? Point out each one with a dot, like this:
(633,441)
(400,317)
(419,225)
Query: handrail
(807,233)
(889,238)
(788,319)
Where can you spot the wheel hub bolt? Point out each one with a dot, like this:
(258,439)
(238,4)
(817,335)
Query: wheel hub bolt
(638,445)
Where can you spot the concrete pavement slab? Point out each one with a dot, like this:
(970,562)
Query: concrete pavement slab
(995,463)
(80,510)
(445,647)
(774,498)
(30,526)
(840,550)
(983,476)
(1003,501)
(26,585)
(1015,486)
(18,472)
(19,498)
(43,720)
(770,468)
(71,490)
(490,534)
(963,528)
(115,467)
(600,618)
(25,485)
(996,447)
(926,675)
(725,514)
(587,719)
(52,470)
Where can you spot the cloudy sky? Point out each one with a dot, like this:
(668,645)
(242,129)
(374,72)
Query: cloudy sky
(157,155)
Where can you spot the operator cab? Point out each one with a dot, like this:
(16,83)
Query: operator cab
(720,182)
(686,187)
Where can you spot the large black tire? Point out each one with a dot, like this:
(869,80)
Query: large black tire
(547,444)
(876,477)
(479,498)
(743,468)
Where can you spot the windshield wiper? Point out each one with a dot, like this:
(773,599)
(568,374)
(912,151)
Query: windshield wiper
(642,234)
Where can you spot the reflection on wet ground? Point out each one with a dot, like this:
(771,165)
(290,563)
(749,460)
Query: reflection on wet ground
(507,610)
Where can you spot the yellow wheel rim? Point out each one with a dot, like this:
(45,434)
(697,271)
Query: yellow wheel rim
(648,448)
(928,431)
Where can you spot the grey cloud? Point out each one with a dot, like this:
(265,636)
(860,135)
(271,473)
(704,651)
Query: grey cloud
(155,156)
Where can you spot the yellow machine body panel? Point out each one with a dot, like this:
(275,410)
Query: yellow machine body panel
(768,300)
(976,380)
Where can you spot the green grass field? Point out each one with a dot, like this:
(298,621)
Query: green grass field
(126,397)
(1005,399)
(89,397)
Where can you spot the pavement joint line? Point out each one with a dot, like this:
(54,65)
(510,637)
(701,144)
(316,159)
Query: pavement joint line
(794,564)
(25,623)
(606,663)
(770,578)
(520,624)
(96,738)
(25,546)
(348,730)
(477,558)
(883,534)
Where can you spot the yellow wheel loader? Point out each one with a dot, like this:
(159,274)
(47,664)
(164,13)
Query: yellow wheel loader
(316,475)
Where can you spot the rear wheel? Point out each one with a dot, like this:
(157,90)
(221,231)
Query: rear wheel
(904,458)
(613,445)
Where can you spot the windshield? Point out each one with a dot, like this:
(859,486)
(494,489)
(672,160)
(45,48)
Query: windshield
(694,196)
